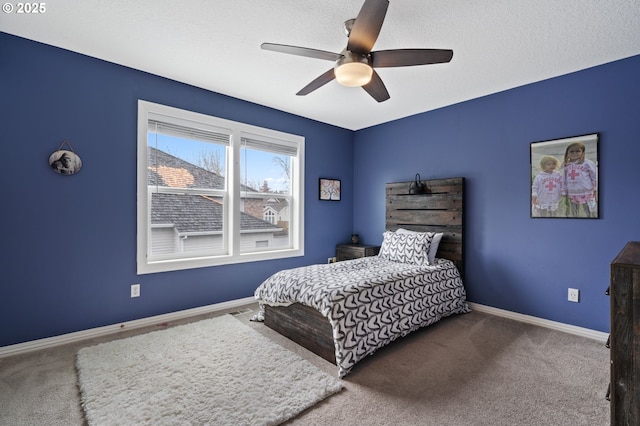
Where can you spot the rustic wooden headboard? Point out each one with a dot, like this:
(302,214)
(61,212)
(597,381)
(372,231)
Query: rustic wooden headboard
(438,209)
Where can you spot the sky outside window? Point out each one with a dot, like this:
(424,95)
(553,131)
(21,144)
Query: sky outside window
(259,166)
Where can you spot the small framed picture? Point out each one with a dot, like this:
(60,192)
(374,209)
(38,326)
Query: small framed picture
(564,178)
(329,189)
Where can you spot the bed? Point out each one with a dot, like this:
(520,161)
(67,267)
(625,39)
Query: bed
(345,311)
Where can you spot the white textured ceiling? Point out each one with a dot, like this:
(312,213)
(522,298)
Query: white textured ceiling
(497,44)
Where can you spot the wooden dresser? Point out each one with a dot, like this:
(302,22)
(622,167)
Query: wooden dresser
(625,336)
(355,251)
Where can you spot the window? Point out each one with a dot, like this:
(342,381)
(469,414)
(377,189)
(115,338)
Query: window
(213,191)
(270,216)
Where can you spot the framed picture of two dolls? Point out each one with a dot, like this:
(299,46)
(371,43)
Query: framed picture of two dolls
(564,178)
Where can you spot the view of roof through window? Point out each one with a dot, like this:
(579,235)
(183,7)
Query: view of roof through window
(185,222)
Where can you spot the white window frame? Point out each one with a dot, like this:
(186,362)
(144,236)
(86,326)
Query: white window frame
(232,198)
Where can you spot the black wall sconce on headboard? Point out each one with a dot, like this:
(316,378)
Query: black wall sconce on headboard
(417,187)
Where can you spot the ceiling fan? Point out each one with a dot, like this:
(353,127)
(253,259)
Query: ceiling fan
(354,66)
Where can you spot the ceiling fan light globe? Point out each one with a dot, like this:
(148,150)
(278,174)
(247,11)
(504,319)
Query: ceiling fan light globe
(353,74)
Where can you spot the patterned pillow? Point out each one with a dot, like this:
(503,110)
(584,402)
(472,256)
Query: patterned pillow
(433,248)
(406,248)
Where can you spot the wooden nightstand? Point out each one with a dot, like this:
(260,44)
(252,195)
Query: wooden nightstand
(355,251)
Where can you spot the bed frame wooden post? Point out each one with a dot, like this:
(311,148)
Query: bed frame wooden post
(305,326)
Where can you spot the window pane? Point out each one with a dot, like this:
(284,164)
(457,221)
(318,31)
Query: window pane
(264,224)
(183,163)
(264,171)
(186,224)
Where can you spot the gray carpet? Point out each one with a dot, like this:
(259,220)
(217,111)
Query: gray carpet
(473,369)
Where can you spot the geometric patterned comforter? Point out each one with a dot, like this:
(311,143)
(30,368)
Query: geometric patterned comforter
(369,301)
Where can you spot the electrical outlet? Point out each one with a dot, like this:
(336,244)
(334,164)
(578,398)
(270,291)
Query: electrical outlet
(574,295)
(135,290)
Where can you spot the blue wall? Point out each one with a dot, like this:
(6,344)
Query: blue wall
(514,262)
(68,242)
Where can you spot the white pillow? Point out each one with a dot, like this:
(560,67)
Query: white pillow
(406,248)
(433,248)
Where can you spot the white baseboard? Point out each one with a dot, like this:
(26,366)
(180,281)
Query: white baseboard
(50,342)
(77,336)
(571,329)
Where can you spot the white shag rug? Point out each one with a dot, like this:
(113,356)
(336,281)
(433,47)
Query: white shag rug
(213,372)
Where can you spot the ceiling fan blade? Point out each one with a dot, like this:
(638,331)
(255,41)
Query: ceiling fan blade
(301,51)
(409,57)
(367,25)
(376,88)
(317,83)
